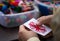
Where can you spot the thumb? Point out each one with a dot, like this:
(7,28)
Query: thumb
(22,28)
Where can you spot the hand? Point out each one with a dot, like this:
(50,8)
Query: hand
(25,34)
(45,19)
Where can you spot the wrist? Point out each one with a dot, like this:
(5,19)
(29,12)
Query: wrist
(33,39)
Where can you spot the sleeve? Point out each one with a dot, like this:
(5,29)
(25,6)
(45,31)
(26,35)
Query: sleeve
(33,39)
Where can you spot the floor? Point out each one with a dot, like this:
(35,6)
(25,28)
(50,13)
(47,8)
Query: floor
(8,34)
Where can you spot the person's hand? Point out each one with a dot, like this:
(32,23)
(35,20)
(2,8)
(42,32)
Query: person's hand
(25,34)
(45,19)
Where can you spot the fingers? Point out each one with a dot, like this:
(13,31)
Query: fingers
(39,21)
(42,20)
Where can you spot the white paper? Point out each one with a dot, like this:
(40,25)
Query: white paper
(47,29)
